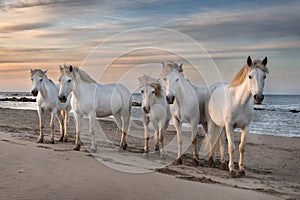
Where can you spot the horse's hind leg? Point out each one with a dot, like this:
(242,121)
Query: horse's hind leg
(210,142)
(119,122)
(194,141)
(92,119)
(146,136)
(41,136)
(221,147)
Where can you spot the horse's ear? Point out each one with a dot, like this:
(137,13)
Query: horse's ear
(180,68)
(264,62)
(71,68)
(140,79)
(249,61)
(60,68)
(31,72)
(45,72)
(163,63)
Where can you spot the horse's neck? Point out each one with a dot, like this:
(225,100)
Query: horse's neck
(82,88)
(45,88)
(242,94)
(185,91)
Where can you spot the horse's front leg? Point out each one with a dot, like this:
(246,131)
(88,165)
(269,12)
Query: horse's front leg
(146,121)
(92,120)
(242,146)
(41,136)
(66,121)
(178,127)
(231,147)
(52,124)
(78,119)
(61,125)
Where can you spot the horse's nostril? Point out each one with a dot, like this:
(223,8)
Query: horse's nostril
(255,96)
(146,109)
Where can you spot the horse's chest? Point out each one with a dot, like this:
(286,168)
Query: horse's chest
(241,116)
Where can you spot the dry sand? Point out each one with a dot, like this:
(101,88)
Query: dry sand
(44,171)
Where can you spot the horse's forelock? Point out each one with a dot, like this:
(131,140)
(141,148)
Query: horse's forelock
(242,74)
(37,72)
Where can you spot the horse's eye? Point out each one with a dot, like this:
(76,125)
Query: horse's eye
(265,77)
(250,77)
(31,79)
(153,92)
(165,79)
(69,81)
(177,79)
(142,91)
(41,80)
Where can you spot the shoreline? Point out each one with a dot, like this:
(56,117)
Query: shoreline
(271,162)
(171,126)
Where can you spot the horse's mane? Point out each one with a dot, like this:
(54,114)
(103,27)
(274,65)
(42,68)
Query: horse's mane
(83,75)
(240,77)
(153,83)
(40,73)
(169,66)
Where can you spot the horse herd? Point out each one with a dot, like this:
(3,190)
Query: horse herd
(219,108)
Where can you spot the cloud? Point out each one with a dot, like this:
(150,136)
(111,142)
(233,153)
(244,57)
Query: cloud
(24,27)
(259,23)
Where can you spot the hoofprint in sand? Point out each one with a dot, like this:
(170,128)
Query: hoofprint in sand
(272,162)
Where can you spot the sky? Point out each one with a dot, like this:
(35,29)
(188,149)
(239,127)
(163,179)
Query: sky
(117,41)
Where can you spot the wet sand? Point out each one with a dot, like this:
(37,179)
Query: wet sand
(29,170)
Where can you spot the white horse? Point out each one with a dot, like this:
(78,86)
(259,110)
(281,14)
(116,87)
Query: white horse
(188,104)
(155,109)
(231,106)
(95,100)
(47,93)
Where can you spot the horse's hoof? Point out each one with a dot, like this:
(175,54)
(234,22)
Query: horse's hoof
(178,161)
(123,146)
(162,156)
(65,139)
(40,140)
(223,166)
(61,139)
(76,147)
(145,155)
(210,162)
(232,174)
(195,162)
(52,141)
(93,150)
(241,173)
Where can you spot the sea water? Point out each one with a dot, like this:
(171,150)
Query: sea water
(278,114)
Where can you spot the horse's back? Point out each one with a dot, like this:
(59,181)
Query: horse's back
(112,98)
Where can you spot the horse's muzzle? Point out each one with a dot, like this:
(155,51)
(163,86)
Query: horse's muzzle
(146,109)
(34,93)
(170,99)
(258,98)
(62,98)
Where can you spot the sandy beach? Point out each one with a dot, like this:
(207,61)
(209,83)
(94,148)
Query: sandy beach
(29,170)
